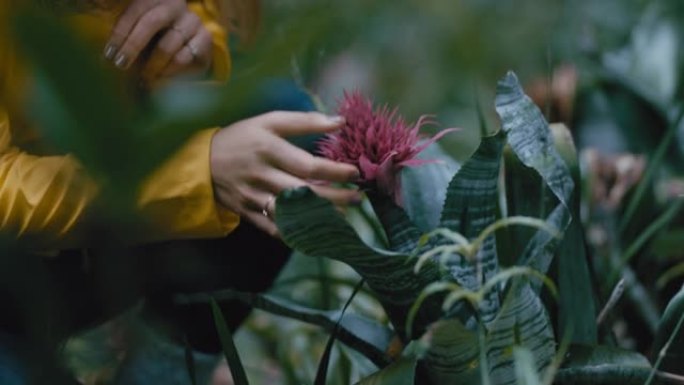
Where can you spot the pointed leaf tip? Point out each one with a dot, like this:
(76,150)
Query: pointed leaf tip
(508,89)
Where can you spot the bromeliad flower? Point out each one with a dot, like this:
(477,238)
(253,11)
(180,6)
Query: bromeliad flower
(377,141)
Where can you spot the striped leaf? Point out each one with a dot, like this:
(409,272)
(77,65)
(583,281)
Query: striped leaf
(537,146)
(401,372)
(604,365)
(424,188)
(364,335)
(470,207)
(522,321)
(311,225)
(453,354)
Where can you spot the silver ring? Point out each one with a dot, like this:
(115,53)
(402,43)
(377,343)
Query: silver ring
(193,51)
(264,211)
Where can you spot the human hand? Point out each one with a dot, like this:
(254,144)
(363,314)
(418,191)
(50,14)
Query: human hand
(184,44)
(251,163)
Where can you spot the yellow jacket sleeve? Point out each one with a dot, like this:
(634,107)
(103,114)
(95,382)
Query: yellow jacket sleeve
(44,199)
(40,197)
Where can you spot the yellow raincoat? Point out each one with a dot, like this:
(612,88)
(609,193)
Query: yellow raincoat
(46,197)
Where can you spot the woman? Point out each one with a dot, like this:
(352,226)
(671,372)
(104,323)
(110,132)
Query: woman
(220,175)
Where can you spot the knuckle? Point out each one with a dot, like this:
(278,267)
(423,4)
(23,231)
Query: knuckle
(167,47)
(194,19)
(158,16)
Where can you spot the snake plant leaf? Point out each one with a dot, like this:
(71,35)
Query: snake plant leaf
(424,205)
(401,372)
(539,147)
(525,369)
(401,233)
(603,365)
(667,329)
(453,353)
(307,221)
(469,207)
(530,138)
(522,321)
(228,344)
(322,372)
(362,334)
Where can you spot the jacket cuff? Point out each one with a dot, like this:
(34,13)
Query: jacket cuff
(178,198)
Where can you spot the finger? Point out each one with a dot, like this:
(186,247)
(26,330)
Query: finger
(276,181)
(124,25)
(171,43)
(338,196)
(149,24)
(263,223)
(195,56)
(289,123)
(302,164)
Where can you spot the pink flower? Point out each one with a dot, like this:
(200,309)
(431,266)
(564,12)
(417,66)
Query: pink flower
(378,142)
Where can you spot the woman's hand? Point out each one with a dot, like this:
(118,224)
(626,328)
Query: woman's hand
(251,163)
(183,46)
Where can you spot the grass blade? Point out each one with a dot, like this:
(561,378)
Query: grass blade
(653,166)
(190,362)
(662,221)
(322,371)
(229,349)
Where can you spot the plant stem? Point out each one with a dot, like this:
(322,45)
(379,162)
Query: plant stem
(484,369)
(663,351)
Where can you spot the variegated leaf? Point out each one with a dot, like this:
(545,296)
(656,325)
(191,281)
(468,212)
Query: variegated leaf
(311,225)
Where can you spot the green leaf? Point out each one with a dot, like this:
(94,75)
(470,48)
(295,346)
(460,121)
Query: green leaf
(525,368)
(530,138)
(522,321)
(452,356)
(532,142)
(401,372)
(229,349)
(594,365)
(401,233)
(540,147)
(322,372)
(576,308)
(670,337)
(306,223)
(366,336)
(470,207)
(190,362)
(424,205)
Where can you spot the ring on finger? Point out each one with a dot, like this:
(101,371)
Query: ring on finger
(265,210)
(193,50)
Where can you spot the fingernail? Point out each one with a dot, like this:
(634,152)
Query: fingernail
(109,51)
(121,61)
(355,177)
(337,119)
